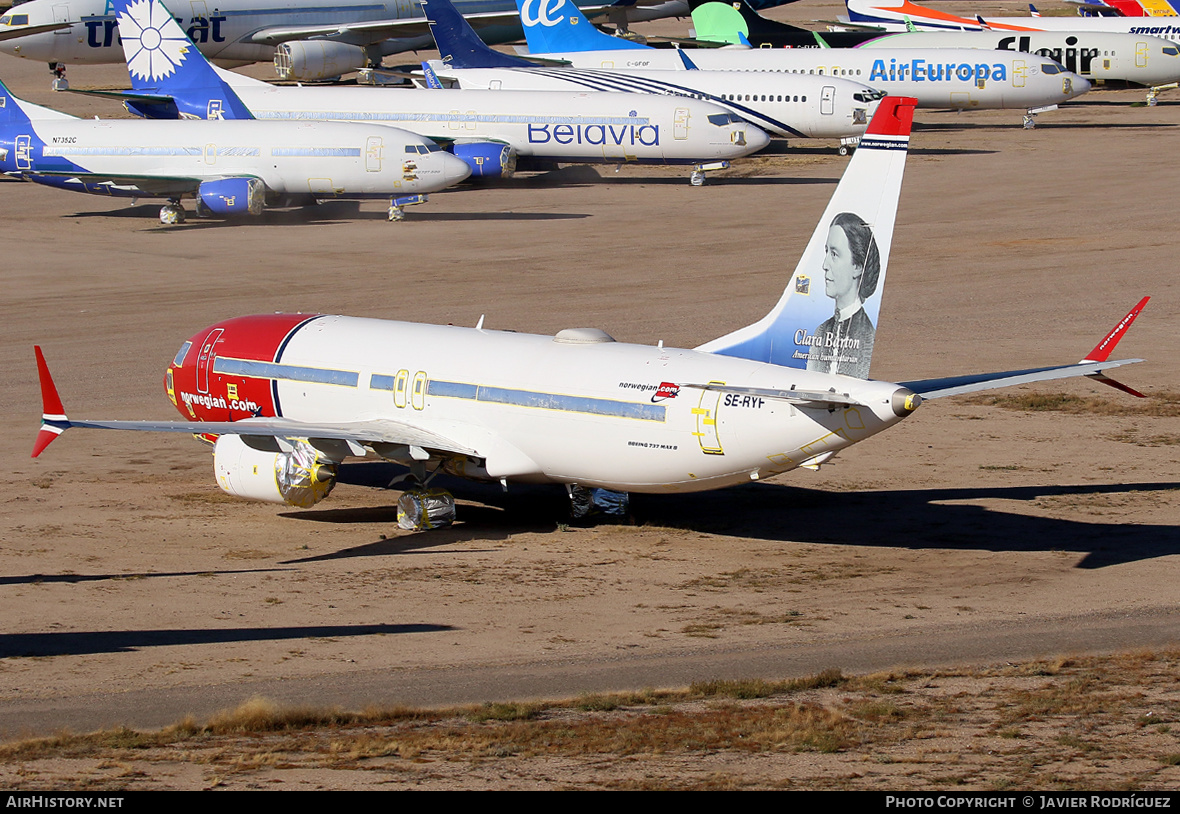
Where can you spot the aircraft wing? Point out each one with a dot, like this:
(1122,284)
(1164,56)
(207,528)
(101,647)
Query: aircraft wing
(30,30)
(255,431)
(159,185)
(378,30)
(1092,367)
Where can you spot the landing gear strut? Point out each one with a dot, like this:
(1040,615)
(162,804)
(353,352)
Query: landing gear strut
(59,76)
(698,172)
(1030,116)
(1153,93)
(587,502)
(421,508)
(172,213)
(397,206)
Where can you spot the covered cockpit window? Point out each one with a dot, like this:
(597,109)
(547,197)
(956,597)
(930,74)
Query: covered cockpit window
(180,354)
(722,119)
(1052,68)
(1171,50)
(14,19)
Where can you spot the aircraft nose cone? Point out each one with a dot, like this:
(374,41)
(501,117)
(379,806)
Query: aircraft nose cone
(454,169)
(1080,85)
(756,139)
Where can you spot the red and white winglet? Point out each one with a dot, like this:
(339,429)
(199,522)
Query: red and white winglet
(1104,348)
(53,415)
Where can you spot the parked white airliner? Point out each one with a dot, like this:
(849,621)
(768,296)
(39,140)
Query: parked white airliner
(1149,61)
(939,77)
(291,396)
(319,40)
(230,167)
(796,105)
(490,131)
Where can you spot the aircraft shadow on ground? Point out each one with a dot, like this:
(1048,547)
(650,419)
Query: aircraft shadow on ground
(70,579)
(308,216)
(32,645)
(914,519)
(1042,124)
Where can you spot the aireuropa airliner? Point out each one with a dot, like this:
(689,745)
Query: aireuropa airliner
(230,167)
(319,40)
(490,131)
(289,397)
(953,78)
(797,105)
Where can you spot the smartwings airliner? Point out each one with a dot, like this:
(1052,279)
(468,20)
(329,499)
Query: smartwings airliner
(487,129)
(936,77)
(793,105)
(286,398)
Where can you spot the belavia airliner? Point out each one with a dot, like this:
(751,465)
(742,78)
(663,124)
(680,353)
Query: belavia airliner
(286,398)
(493,132)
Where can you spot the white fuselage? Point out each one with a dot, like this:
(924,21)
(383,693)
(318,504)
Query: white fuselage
(561,126)
(324,160)
(1094,55)
(792,105)
(936,77)
(570,412)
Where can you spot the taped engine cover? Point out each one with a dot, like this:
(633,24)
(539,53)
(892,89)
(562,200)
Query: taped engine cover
(422,509)
(295,478)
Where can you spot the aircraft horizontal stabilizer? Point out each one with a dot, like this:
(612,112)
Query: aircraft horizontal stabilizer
(1091,367)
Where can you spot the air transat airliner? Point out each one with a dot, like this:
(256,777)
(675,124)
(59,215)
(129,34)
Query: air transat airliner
(490,131)
(230,167)
(937,77)
(286,398)
(317,40)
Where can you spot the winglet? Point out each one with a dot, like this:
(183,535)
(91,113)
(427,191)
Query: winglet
(1104,348)
(53,414)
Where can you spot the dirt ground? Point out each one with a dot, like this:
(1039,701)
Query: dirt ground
(133,591)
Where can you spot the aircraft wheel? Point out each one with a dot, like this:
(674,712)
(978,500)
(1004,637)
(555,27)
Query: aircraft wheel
(697,179)
(424,509)
(396,213)
(843,149)
(171,214)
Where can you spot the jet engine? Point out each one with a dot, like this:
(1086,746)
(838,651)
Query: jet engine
(487,159)
(299,477)
(309,60)
(231,196)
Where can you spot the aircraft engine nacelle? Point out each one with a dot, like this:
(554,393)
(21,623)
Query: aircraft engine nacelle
(308,60)
(487,159)
(232,196)
(296,478)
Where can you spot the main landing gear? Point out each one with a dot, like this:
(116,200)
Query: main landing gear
(397,205)
(421,508)
(587,502)
(698,172)
(172,213)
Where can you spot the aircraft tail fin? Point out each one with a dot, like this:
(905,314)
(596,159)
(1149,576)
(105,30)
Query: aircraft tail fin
(458,44)
(556,27)
(163,60)
(717,21)
(827,316)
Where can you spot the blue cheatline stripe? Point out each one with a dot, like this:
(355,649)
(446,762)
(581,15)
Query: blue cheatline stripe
(317,152)
(58,150)
(547,401)
(408,116)
(294,373)
(379,381)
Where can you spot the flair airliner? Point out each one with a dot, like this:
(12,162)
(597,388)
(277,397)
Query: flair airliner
(796,105)
(286,398)
(490,131)
(230,167)
(954,78)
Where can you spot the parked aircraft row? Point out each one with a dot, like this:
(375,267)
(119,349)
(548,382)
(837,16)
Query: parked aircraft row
(1095,55)
(289,397)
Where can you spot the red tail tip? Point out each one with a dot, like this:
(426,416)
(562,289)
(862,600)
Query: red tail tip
(894,117)
(1104,348)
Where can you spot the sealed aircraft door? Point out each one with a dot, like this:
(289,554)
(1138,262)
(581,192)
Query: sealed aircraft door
(1140,55)
(680,126)
(374,152)
(210,153)
(205,359)
(61,14)
(706,422)
(827,101)
(1019,73)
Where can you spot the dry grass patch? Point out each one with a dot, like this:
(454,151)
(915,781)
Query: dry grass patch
(1163,403)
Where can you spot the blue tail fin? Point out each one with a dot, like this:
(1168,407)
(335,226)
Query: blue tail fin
(163,62)
(552,27)
(458,44)
(827,316)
